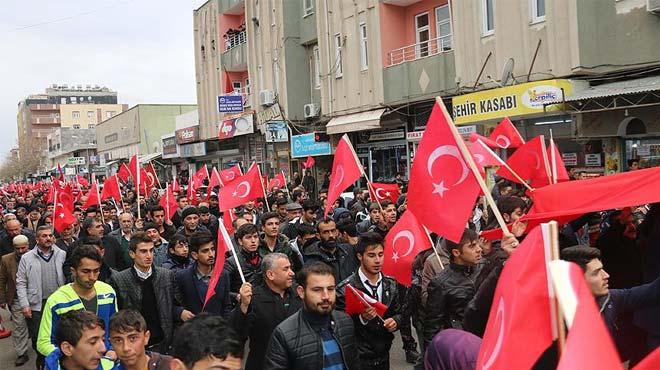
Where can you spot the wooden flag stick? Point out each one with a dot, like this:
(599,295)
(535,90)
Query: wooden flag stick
(98,196)
(261,181)
(505,165)
(467,156)
(435,249)
(230,245)
(552,230)
(553,159)
(546,163)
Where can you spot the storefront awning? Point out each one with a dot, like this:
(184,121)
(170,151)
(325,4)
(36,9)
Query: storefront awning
(637,86)
(108,164)
(148,157)
(355,122)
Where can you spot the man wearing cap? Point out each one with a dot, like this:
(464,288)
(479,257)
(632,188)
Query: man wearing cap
(160,244)
(190,222)
(308,217)
(293,212)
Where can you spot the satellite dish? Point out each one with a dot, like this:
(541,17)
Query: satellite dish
(507,72)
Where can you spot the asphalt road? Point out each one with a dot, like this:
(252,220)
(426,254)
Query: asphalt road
(8,355)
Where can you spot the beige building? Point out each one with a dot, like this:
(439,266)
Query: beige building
(82,116)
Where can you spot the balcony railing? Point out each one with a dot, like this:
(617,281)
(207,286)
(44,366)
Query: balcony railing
(235,40)
(243,92)
(419,50)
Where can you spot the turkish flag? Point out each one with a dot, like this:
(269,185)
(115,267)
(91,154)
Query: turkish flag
(224,245)
(214,180)
(61,173)
(92,197)
(557,167)
(441,180)
(123,172)
(309,162)
(357,302)
(65,196)
(199,176)
(133,167)
(650,362)
(483,155)
(505,135)
(82,181)
(62,216)
(520,326)
(151,174)
(530,162)
(175,186)
(168,202)
(346,169)
(278,181)
(111,189)
(379,192)
(589,345)
(191,192)
(146,183)
(243,189)
(403,242)
(230,174)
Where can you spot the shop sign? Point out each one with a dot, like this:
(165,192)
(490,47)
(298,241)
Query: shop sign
(277,132)
(230,103)
(93,159)
(570,159)
(386,135)
(187,135)
(170,149)
(414,135)
(510,101)
(304,145)
(193,150)
(592,160)
(271,113)
(467,130)
(644,150)
(236,126)
(75,161)
(69,171)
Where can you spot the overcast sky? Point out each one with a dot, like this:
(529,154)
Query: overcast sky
(143,49)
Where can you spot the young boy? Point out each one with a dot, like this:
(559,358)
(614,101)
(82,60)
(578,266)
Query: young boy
(129,337)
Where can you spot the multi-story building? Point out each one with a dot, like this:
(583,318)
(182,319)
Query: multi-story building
(68,142)
(81,116)
(39,115)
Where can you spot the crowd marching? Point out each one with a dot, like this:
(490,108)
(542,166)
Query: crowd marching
(128,275)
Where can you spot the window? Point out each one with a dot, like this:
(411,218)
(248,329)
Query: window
(337,66)
(309,7)
(76,127)
(488,18)
(247,86)
(443,27)
(90,114)
(537,8)
(75,114)
(364,52)
(237,86)
(272,12)
(91,125)
(422,35)
(109,114)
(317,67)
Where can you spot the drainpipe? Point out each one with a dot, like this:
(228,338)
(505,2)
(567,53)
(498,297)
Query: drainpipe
(330,80)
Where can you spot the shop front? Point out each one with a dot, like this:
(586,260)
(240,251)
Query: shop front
(306,145)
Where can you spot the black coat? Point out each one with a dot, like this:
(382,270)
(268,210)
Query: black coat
(219,304)
(252,273)
(448,295)
(344,262)
(112,256)
(296,345)
(7,245)
(374,341)
(281,246)
(266,311)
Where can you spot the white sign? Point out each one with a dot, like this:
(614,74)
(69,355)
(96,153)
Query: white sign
(75,161)
(466,130)
(69,171)
(414,135)
(592,160)
(570,159)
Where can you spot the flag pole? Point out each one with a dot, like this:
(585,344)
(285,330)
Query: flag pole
(167,200)
(121,197)
(435,250)
(286,186)
(227,240)
(261,181)
(363,300)
(357,160)
(556,309)
(137,185)
(98,196)
(553,159)
(470,162)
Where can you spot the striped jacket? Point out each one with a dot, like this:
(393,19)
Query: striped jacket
(64,300)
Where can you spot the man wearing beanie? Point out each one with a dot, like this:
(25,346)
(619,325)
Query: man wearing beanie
(190,222)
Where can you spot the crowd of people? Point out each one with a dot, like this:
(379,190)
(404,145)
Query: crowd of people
(117,291)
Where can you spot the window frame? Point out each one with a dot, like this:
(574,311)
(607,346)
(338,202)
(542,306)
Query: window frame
(418,42)
(308,8)
(75,114)
(534,12)
(364,46)
(316,61)
(438,24)
(339,71)
(485,31)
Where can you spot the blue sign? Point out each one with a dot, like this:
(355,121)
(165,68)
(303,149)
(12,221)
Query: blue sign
(230,103)
(304,145)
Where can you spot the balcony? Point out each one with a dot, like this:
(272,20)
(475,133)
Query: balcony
(44,107)
(235,7)
(234,59)
(44,120)
(419,72)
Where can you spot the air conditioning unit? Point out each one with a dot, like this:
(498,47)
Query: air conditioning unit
(653,6)
(266,97)
(310,110)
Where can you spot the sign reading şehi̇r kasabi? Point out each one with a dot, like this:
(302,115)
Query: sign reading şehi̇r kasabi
(510,101)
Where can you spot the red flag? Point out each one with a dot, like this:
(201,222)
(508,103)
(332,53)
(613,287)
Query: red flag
(175,186)
(65,196)
(520,316)
(82,181)
(379,192)
(123,173)
(243,189)
(483,155)
(441,180)
(403,242)
(168,202)
(227,220)
(229,85)
(214,180)
(558,169)
(92,197)
(199,176)
(59,170)
(62,216)
(111,189)
(357,302)
(346,169)
(224,245)
(191,191)
(505,135)
(133,167)
(230,174)
(530,162)
(151,175)
(309,163)
(650,362)
(278,181)
(589,345)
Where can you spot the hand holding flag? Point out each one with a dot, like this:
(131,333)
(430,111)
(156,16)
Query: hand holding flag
(357,302)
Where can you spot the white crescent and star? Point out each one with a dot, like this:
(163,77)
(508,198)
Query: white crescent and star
(379,195)
(411,243)
(275,182)
(445,150)
(479,158)
(247,189)
(506,142)
(230,176)
(499,320)
(340,176)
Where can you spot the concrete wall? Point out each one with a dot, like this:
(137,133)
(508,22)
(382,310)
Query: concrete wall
(296,59)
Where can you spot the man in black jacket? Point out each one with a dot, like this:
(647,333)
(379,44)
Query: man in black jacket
(247,237)
(264,306)
(317,336)
(373,333)
(452,289)
(340,257)
(272,241)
